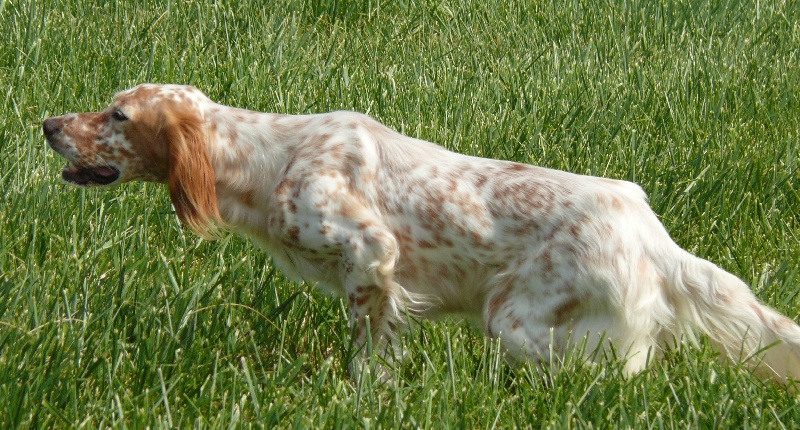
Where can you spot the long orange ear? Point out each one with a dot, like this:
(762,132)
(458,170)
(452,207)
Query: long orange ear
(191,175)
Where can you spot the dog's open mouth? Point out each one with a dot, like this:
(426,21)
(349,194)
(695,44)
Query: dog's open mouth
(102,175)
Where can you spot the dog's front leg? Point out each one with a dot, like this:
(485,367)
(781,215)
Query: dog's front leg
(375,302)
(340,242)
(358,263)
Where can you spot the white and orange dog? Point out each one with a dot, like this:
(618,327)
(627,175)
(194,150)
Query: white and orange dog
(538,258)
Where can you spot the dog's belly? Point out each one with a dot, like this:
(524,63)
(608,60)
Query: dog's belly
(447,281)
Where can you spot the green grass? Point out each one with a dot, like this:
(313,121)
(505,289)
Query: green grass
(111,314)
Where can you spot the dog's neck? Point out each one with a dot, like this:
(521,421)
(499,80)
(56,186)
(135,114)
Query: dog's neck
(249,151)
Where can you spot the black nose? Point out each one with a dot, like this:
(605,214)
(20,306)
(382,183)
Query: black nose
(50,127)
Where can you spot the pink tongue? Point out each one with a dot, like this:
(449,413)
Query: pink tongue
(105,171)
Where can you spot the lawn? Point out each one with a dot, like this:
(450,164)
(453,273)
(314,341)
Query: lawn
(113,315)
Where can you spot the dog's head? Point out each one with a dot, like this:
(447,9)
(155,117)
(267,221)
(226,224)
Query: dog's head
(152,133)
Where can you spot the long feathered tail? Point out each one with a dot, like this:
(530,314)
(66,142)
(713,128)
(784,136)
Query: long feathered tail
(723,307)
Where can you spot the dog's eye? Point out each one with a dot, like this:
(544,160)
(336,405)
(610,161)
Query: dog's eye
(119,115)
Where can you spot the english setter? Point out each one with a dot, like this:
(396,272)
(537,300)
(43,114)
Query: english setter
(398,226)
